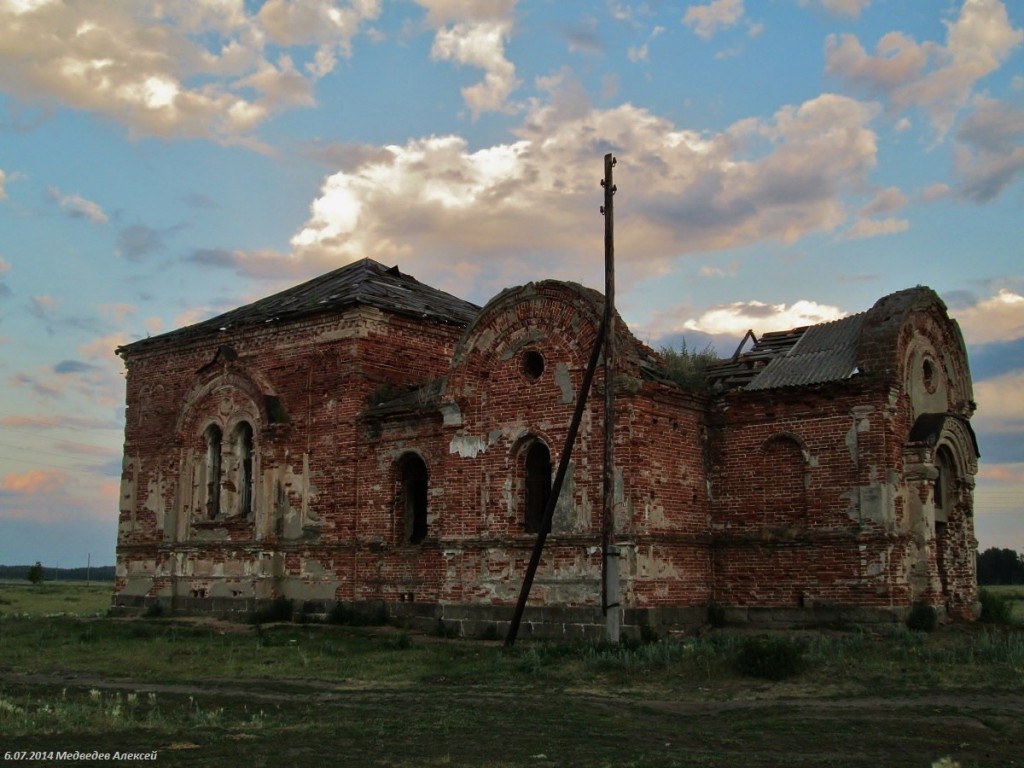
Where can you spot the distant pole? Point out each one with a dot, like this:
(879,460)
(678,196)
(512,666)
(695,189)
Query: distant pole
(609,553)
(88,568)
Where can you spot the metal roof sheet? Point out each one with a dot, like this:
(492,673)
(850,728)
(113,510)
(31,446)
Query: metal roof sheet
(825,352)
(364,282)
(802,356)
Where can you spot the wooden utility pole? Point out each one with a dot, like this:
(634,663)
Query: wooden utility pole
(609,552)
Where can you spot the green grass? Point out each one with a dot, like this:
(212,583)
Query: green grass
(216,694)
(1015,594)
(69,598)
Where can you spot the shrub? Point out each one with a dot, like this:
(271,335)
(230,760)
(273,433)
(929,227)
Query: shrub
(716,615)
(995,608)
(771,658)
(35,573)
(280,609)
(153,611)
(361,615)
(922,618)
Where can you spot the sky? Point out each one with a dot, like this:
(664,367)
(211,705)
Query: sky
(779,163)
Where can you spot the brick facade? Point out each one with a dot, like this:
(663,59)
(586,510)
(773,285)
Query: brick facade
(386,449)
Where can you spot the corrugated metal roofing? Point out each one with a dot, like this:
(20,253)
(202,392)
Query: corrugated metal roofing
(364,282)
(825,352)
(812,354)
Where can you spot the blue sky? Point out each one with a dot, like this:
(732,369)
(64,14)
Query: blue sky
(779,163)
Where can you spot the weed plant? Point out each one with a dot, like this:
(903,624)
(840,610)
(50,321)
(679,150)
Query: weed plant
(995,608)
(771,658)
(923,618)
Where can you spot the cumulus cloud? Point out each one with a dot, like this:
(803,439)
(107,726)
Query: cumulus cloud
(706,20)
(990,152)
(434,201)
(196,70)
(997,318)
(737,318)
(937,78)
(3,183)
(77,207)
(474,33)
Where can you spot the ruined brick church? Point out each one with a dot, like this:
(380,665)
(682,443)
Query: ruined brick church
(367,439)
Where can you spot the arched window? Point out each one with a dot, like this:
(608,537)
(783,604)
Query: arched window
(243,452)
(413,503)
(213,467)
(943,484)
(536,486)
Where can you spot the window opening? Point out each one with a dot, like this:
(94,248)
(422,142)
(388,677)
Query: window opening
(943,484)
(537,485)
(244,451)
(213,449)
(532,364)
(414,480)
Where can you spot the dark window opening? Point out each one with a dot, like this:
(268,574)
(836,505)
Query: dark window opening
(943,484)
(928,375)
(414,481)
(243,447)
(532,364)
(213,447)
(537,486)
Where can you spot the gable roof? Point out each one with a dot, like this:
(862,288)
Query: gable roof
(365,282)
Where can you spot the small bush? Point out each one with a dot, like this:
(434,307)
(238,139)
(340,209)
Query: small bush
(771,658)
(374,615)
(153,611)
(716,615)
(280,609)
(995,608)
(922,618)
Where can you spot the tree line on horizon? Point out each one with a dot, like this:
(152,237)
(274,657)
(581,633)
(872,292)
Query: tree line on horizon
(93,573)
(1000,566)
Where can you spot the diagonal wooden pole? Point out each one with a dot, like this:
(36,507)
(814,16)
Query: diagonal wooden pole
(556,488)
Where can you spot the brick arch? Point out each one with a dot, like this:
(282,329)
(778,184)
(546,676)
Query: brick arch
(205,386)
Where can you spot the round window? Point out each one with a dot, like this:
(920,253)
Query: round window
(531,364)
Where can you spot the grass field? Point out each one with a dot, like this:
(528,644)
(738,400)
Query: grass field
(208,693)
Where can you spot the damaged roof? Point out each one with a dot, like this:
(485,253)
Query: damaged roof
(813,354)
(365,282)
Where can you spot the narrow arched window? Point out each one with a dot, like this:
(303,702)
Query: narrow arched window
(943,484)
(784,475)
(244,451)
(537,486)
(213,470)
(413,504)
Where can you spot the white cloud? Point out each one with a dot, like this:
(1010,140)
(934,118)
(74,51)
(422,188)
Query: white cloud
(195,70)
(928,75)
(3,181)
(990,151)
(706,20)
(5,266)
(737,318)
(77,206)
(434,199)
(480,44)
(997,318)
